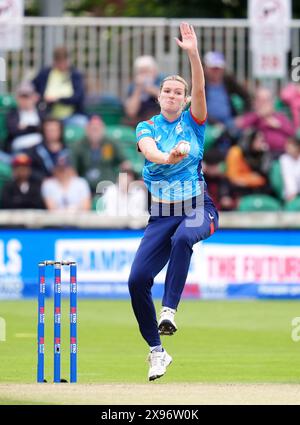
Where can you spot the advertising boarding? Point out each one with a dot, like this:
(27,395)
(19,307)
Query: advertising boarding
(230,264)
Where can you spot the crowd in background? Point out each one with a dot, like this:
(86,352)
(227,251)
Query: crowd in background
(252,144)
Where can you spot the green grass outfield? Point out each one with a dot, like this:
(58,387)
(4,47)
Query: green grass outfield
(217,342)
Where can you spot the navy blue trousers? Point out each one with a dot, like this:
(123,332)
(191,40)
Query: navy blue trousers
(167,238)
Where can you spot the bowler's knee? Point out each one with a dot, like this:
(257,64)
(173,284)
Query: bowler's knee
(181,240)
(138,280)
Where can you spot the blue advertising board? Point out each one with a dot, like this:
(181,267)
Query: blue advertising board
(230,264)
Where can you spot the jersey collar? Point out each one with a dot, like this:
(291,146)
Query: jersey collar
(164,119)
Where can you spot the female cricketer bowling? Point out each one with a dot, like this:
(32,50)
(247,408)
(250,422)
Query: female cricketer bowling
(181,212)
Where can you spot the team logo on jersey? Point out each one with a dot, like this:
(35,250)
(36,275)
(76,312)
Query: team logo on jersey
(178,128)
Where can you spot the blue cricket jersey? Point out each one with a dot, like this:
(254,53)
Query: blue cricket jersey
(174,182)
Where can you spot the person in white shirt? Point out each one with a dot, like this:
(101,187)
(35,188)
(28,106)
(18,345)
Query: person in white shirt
(65,190)
(290,168)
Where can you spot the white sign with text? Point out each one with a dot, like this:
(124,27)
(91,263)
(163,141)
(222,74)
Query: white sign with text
(11,31)
(269,36)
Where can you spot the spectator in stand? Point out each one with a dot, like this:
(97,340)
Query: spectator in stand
(213,167)
(290,95)
(97,157)
(24,121)
(248,165)
(141,103)
(44,155)
(275,126)
(290,168)
(65,190)
(61,88)
(23,191)
(220,87)
(127,197)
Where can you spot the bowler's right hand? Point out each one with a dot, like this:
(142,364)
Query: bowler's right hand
(175,156)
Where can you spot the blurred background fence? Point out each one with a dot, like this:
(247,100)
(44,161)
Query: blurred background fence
(104,49)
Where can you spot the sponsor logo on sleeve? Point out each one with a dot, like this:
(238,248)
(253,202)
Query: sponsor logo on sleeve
(145,131)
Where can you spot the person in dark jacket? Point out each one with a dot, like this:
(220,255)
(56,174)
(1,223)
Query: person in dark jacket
(24,122)
(23,192)
(44,155)
(61,88)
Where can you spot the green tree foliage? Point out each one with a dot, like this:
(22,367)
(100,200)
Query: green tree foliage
(188,8)
(97,7)
(157,8)
(161,8)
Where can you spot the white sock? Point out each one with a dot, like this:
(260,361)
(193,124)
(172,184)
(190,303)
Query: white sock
(173,310)
(158,348)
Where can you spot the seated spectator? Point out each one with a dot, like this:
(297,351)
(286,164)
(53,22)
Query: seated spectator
(24,121)
(127,197)
(275,126)
(290,95)
(141,103)
(44,155)
(213,166)
(65,190)
(96,157)
(248,165)
(290,168)
(23,191)
(61,89)
(220,88)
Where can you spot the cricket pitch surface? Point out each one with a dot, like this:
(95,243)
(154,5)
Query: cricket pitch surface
(151,394)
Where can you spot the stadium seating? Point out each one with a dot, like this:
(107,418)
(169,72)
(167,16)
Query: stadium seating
(126,139)
(123,133)
(7,102)
(238,103)
(97,203)
(279,106)
(293,205)
(3,129)
(212,133)
(5,175)
(73,133)
(250,203)
(108,107)
(5,171)
(275,179)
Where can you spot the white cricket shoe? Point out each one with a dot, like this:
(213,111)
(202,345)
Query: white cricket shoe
(159,361)
(166,324)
